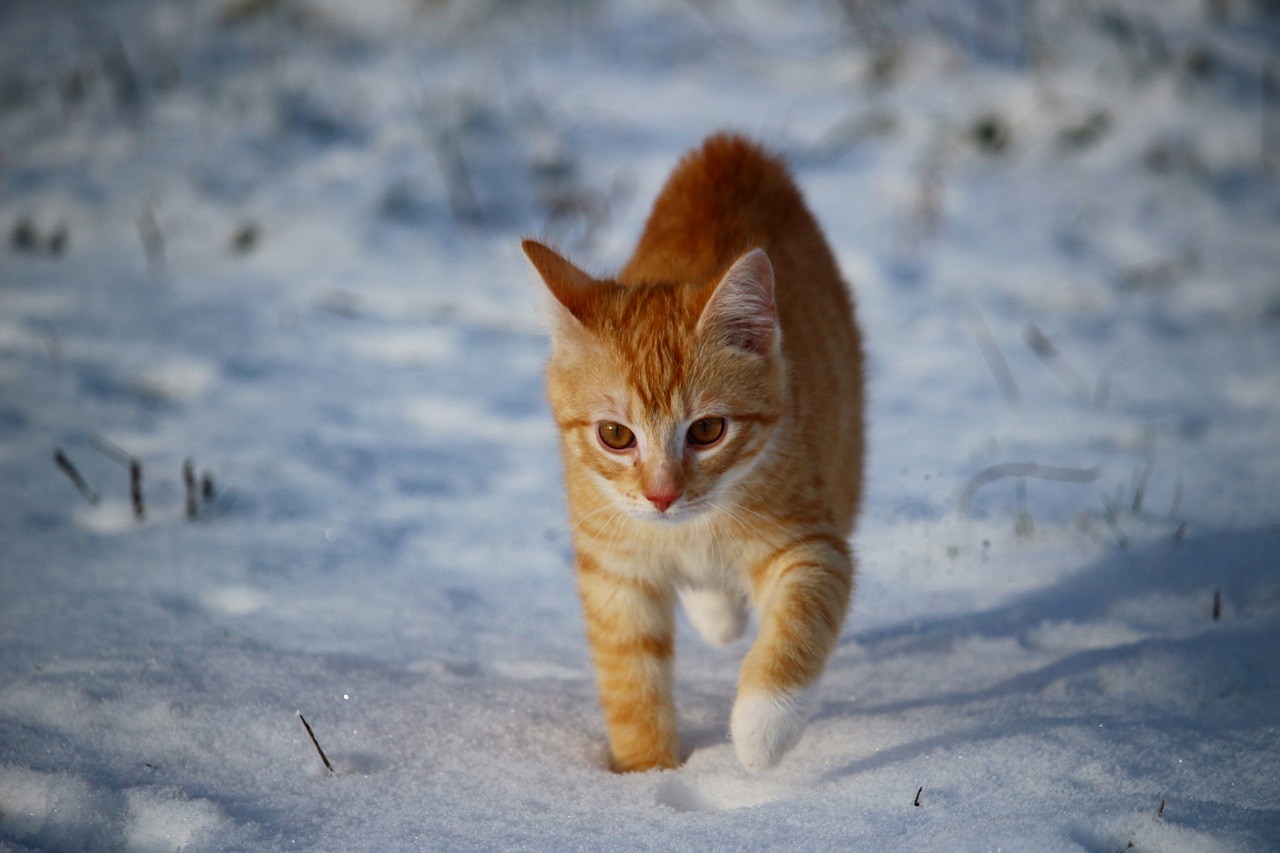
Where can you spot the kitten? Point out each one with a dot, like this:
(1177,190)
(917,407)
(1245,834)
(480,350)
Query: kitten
(709,401)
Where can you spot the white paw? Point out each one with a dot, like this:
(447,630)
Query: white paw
(765,726)
(718,616)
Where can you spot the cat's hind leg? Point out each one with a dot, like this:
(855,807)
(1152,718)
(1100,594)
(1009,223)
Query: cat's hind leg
(719,616)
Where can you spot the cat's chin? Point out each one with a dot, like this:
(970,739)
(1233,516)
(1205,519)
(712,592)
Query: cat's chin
(673,517)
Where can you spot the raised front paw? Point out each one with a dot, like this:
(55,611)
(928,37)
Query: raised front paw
(719,617)
(765,726)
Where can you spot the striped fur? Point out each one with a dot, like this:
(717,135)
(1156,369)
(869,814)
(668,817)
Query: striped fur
(699,325)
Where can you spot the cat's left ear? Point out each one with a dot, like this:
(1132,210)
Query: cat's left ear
(742,308)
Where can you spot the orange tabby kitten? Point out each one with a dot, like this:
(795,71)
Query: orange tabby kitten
(709,401)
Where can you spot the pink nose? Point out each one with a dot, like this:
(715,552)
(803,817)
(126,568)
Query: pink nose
(663,500)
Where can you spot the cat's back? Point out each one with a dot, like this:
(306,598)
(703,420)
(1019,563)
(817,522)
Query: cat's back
(729,196)
(724,198)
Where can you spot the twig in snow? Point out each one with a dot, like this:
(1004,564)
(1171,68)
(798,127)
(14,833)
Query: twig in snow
(1160,811)
(1111,514)
(925,216)
(918,793)
(152,242)
(928,206)
(991,352)
(1053,359)
(74,476)
(453,167)
(245,239)
(1217,604)
(58,241)
(323,757)
(24,236)
(1140,479)
(1023,469)
(991,134)
(457,177)
(1271,117)
(135,490)
(1025,525)
(1180,533)
(206,486)
(189,483)
(1158,275)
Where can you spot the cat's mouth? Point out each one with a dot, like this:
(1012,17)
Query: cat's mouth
(676,514)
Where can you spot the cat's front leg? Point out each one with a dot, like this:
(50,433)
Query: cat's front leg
(630,625)
(801,595)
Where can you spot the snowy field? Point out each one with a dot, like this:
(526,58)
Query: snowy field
(280,239)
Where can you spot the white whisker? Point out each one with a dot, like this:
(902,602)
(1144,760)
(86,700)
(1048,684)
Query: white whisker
(791,536)
(602,508)
(613,534)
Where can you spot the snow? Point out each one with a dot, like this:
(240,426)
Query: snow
(290,253)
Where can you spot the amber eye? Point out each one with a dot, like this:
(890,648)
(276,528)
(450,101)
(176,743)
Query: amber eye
(706,431)
(616,436)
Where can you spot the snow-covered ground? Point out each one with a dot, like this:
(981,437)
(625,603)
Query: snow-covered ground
(279,238)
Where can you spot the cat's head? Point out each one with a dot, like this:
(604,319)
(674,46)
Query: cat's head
(665,393)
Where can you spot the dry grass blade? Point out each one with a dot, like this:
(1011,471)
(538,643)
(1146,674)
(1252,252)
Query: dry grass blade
(1111,515)
(312,735)
(64,464)
(135,490)
(152,239)
(1271,116)
(1141,479)
(189,483)
(1061,368)
(991,352)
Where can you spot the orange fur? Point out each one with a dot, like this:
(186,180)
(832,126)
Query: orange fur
(698,325)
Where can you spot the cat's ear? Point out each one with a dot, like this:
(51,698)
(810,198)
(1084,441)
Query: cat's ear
(742,308)
(569,285)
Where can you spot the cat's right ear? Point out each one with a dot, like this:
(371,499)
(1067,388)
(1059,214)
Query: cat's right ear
(569,285)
